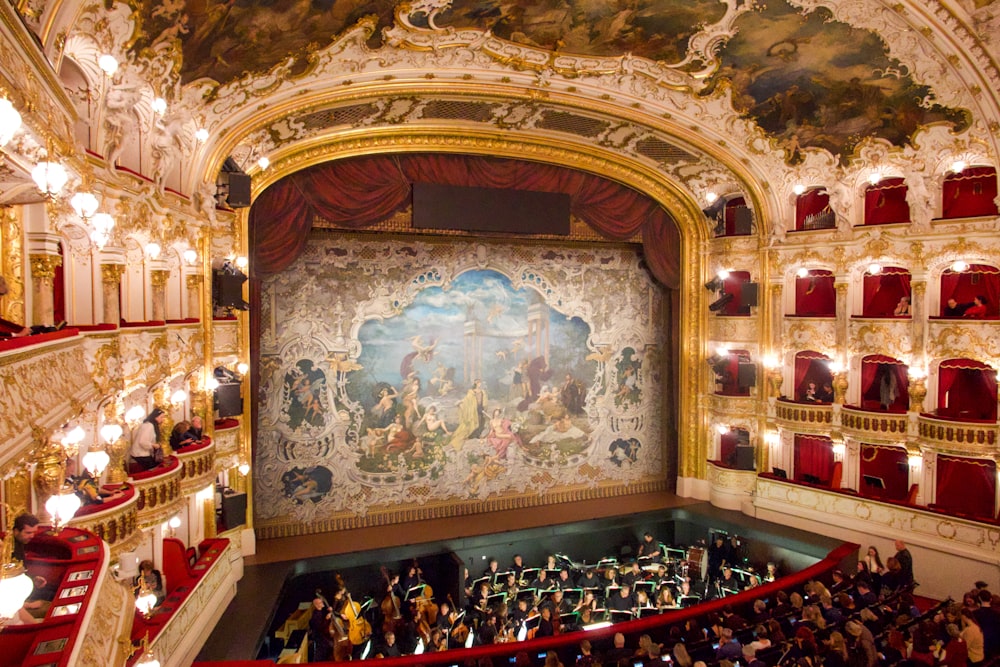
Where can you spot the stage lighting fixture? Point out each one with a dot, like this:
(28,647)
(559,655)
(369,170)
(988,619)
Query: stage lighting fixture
(721,302)
(715,284)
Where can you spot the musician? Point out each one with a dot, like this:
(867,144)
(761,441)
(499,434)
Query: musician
(650,548)
(517,566)
(665,599)
(772,572)
(728,584)
(550,563)
(520,613)
(545,627)
(492,567)
(488,632)
(687,595)
(557,603)
(511,588)
(586,607)
(589,579)
(319,630)
(642,600)
(633,575)
(389,647)
(564,581)
(718,555)
(542,582)
(412,577)
(480,601)
(622,601)
(445,618)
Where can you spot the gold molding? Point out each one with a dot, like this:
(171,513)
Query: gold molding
(112,273)
(44,266)
(159,277)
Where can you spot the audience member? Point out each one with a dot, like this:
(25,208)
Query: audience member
(978,309)
(905,563)
(618,652)
(955,653)
(145,450)
(319,628)
(179,436)
(862,644)
(586,658)
(953,308)
(152,579)
(24,529)
(989,622)
(972,635)
(729,647)
(197,430)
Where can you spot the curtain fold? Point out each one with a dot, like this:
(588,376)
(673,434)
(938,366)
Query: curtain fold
(815,295)
(970,193)
(890,464)
(884,381)
(812,367)
(967,389)
(885,202)
(966,486)
(881,293)
(813,456)
(978,279)
(360,192)
(734,285)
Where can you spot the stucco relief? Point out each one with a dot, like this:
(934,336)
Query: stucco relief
(420,373)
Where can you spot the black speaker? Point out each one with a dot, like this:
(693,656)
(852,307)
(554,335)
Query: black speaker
(742,221)
(239,191)
(228,400)
(748,295)
(744,458)
(227,289)
(234,509)
(746,374)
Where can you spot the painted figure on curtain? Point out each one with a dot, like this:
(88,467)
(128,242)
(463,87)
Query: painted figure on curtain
(503,339)
(305,396)
(302,484)
(629,388)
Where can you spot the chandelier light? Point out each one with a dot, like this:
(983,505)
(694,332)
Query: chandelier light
(111,432)
(85,204)
(73,437)
(178,396)
(49,177)
(153,250)
(135,414)
(102,223)
(61,507)
(145,601)
(874,268)
(95,461)
(190,256)
(201,134)
(10,121)
(244,469)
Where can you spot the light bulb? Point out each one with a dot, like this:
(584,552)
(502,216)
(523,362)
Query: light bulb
(153,250)
(111,432)
(799,189)
(803,272)
(108,64)
(915,460)
(242,368)
(190,256)
(201,134)
(721,429)
(95,461)
(958,166)
(159,105)
(50,177)
(723,274)
(874,269)
(244,469)
(135,414)
(263,163)
(10,121)
(958,266)
(874,178)
(211,384)
(710,196)
(85,204)
(175,522)
(242,263)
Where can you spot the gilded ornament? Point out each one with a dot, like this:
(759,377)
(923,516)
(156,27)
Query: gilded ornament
(44,266)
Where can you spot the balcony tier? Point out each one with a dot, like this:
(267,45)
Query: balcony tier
(959,437)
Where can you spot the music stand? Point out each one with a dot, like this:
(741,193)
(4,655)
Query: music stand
(478,582)
(572,595)
(496,599)
(501,577)
(529,574)
(689,600)
(811,479)
(526,594)
(414,592)
(780,472)
(644,586)
(617,616)
(648,611)
(874,482)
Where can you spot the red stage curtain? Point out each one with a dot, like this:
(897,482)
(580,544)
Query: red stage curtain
(734,285)
(873,369)
(966,486)
(885,202)
(978,279)
(815,295)
(891,465)
(969,193)
(812,210)
(734,204)
(359,192)
(967,389)
(811,367)
(882,292)
(813,456)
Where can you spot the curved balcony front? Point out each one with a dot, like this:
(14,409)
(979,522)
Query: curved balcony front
(197,464)
(159,492)
(873,426)
(804,417)
(952,436)
(114,521)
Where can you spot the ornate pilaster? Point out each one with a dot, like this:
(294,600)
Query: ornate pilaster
(777,312)
(918,392)
(11,263)
(193,283)
(43,270)
(918,314)
(17,491)
(843,318)
(158,279)
(162,400)
(774,378)
(49,475)
(116,450)
(839,387)
(111,279)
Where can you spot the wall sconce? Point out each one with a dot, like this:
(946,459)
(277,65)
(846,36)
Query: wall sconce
(799,189)
(916,373)
(61,507)
(242,368)
(771,438)
(15,585)
(159,105)
(190,256)
(135,414)
(710,197)
(73,437)
(803,272)
(10,121)
(875,177)
(244,469)
(85,204)
(211,384)
(958,166)
(146,599)
(263,163)
(178,397)
(201,134)
(721,429)
(771,362)
(153,250)
(95,461)
(839,449)
(874,269)
(835,366)
(108,64)
(174,524)
(915,460)
(958,266)
(102,223)
(111,432)
(50,178)
(242,263)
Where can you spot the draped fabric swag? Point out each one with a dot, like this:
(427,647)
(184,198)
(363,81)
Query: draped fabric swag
(813,456)
(966,486)
(815,295)
(360,192)
(978,279)
(885,202)
(970,193)
(882,292)
(967,389)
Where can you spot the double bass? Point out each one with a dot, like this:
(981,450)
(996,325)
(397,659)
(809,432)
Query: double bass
(392,619)
(358,628)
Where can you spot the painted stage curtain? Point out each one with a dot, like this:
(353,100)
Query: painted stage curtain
(815,295)
(891,465)
(813,456)
(812,210)
(881,374)
(967,389)
(966,486)
(882,292)
(977,280)
(813,367)
(885,202)
(734,285)
(359,192)
(969,193)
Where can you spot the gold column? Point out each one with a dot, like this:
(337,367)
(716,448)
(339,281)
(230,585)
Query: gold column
(843,317)
(839,387)
(918,319)
(43,270)
(49,474)
(158,278)
(161,397)
(193,283)
(11,255)
(117,449)
(111,279)
(918,392)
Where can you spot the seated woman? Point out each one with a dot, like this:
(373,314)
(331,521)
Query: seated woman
(978,309)
(180,436)
(903,307)
(152,580)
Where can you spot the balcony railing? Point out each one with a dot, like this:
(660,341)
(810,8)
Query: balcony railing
(114,521)
(197,466)
(873,426)
(953,435)
(159,492)
(803,417)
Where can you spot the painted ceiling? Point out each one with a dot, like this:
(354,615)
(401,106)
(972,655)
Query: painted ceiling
(807,79)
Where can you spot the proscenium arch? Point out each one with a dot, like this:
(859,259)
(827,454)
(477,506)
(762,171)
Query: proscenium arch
(693,324)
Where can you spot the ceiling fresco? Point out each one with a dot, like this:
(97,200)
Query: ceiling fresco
(806,79)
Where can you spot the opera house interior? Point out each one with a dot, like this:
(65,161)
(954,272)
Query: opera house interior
(292,287)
